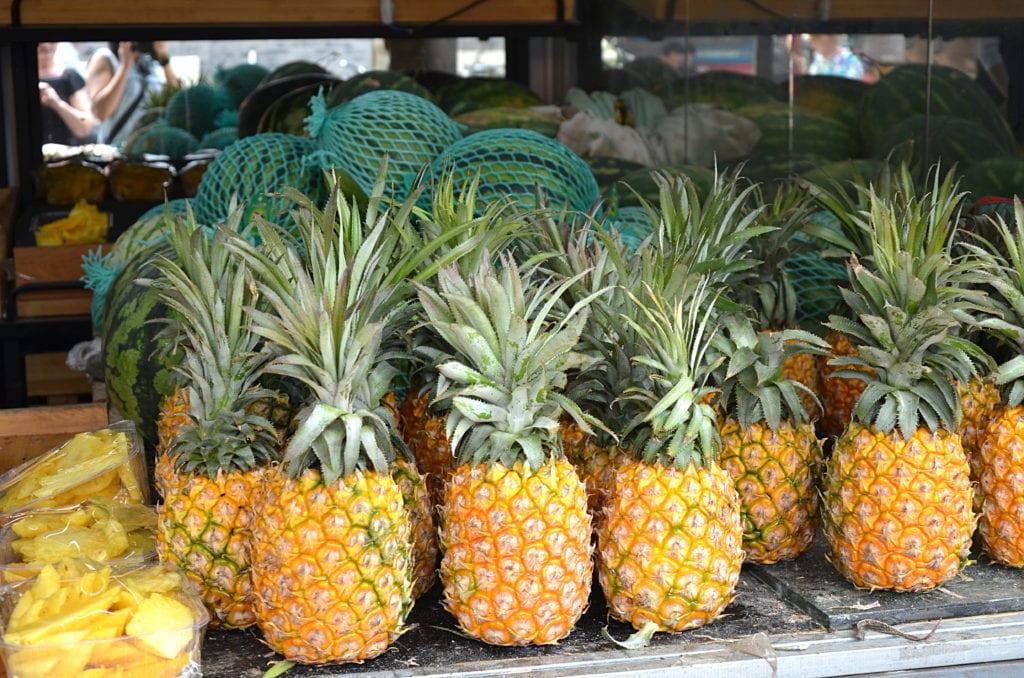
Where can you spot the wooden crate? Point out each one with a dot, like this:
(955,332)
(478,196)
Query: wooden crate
(51,264)
(26,433)
(48,376)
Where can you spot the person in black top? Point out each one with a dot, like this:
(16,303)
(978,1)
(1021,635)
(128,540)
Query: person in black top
(67,113)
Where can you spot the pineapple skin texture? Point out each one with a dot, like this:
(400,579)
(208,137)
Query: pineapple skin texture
(1001,486)
(897,513)
(670,545)
(838,396)
(331,566)
(803,367)
(775,473)
(594,464)
(203,527)
(517,566)
(425,549)
(429,444)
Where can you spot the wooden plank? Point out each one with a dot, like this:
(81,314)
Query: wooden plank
(28,432)
(51,264)
(47,374)
(213,12)
(841,10)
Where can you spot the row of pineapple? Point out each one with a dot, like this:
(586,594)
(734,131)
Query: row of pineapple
(299,489)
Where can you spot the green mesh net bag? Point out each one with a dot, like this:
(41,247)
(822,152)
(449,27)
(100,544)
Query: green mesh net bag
(220,138)
(815,279)
(633,225)
(252,169)
(355,137)
(515,163)
(160,139)
(195,108)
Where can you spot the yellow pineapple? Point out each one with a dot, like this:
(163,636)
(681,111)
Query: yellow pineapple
(515,531)
(670,541)
(839,394)
(769,447)
(425,550)
(897,504)
(331,540)
(214,457)
(998,461)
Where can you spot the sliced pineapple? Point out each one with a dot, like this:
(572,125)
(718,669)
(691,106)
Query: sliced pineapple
(152,619)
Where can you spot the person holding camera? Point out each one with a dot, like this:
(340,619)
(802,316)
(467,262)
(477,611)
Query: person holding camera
(66,111)
(118,84)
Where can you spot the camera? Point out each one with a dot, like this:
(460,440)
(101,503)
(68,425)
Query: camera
(144,48)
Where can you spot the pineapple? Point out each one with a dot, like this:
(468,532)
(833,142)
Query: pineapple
(215,459)
(897,500)
(999,456)
(457,230)
(769,447)
(515,530)
(670,540)
(331,537)
(839,390)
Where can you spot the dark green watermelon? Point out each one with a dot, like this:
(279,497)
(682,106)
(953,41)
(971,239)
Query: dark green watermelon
(828,95)
(505,116)
(371,81)
(862,171)
(195,108)
(1003,177)
(473,94)
(950,140)
(776,170)
(902,93)
(607,171)
(288,114)
(724,88)
(160,139)
(628,191)
(293,68)
(256,104)
(432,79)
(239,81)
(814,134)
(138,371)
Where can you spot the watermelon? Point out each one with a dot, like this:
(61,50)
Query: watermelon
(815,134)
(505,116)
(160,139)
(432,79)
(724,88)
(294,68)
(828,95)
(263,97)
(288,114)
(473,94)
(137,371)
(774,170)
(607,171)
(195,108)
(950,140)
(1002,177)
(902,93)
(371,81)
(220,138)
(239,81)
(844,172)
(628,191)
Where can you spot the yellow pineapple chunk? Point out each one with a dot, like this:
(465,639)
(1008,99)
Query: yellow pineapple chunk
(163,625)
(84,467)
(44,662)
(103,672)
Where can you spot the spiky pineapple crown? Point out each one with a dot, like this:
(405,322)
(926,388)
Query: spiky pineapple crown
(508,361)
(750,378)
(331,300)
(676,425)
(208,290)
(767,288)
(909,303)
(1000,261)
(454,232)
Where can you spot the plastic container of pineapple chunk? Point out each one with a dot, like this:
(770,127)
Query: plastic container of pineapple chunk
(107,462)
(100,530)
(141,622)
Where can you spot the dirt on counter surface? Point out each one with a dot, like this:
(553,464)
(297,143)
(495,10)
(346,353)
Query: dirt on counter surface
(434,644)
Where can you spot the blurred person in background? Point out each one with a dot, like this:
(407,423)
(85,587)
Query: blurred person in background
(833,57)
(66,110)
(119,84)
